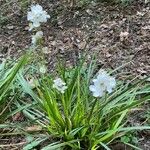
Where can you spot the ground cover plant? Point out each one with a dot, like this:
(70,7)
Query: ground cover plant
(80,106)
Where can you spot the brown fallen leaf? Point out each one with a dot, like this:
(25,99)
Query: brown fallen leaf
(33,128)
(18,117)
(82,45)
(124,36)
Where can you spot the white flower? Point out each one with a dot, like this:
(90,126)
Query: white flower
(59,85)
(43,69)
(104,82)
(37,15)
(37,37)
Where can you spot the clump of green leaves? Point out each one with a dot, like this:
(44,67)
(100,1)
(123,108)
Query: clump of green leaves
(75,117)
(6,78)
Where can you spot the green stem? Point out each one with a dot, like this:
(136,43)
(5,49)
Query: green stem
(91,112)
(96,126)
(64,106)
(68,123)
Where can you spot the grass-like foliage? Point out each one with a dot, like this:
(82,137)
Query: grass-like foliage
(76,118)
(6,78)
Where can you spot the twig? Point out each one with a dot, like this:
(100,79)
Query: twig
(10,145)
(6,107)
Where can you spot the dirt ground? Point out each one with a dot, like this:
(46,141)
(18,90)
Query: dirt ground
(117,34)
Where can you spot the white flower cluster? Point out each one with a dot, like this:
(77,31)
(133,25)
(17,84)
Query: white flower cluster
(103,83)
(37,16)
(43,69)
(37,37)
(60,85)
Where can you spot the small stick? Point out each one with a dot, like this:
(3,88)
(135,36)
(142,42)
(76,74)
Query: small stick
(16,144)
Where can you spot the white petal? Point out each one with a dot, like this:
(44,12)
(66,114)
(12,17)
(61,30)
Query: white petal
(31,26)
(92,88)
(36,24)
(113,82)
(48,16)
(109,90)
(96,94)
(94,80)
(36,8)
(29,16)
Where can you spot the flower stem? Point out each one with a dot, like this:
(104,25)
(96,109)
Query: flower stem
(91,112)
(68,123)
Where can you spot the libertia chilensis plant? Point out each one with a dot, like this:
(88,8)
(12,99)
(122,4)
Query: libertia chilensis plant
(81,109)
(82,112)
